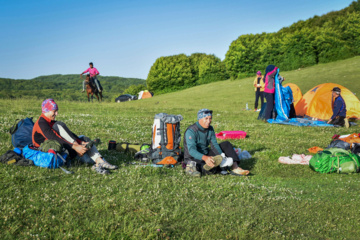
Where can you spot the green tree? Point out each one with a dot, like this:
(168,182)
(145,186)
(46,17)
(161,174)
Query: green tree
(170,73)
(211,69)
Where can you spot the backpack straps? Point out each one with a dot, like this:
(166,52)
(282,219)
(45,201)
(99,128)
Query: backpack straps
(15,126)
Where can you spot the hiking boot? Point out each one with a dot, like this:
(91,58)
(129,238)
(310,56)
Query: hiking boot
(191,169)
(106,165)
(100,170)
(347,125)
(217,162)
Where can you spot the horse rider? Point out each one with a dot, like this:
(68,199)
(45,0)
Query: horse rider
(93,73)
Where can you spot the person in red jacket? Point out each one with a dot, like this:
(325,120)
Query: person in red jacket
(47,128)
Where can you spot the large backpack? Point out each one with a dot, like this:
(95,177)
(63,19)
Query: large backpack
(335,160)
(166,138)
(21,133)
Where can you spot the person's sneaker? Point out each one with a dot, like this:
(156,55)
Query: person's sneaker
(100,170)
(191,169)
(99,90)
(83,90)
(106,165)
(347,125)
(217,162)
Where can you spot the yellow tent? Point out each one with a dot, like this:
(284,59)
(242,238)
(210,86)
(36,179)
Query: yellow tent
(297,95)
(317,102)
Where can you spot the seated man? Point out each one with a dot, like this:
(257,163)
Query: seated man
(339,110)
(199,158)
(46,128)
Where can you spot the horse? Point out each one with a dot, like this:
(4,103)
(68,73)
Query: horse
(91,89)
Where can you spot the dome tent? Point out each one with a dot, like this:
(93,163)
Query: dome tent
(317,102)
(145,94)
(297,95)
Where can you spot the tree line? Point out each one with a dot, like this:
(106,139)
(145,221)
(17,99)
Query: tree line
(62,87)
(333,36)
(321,39)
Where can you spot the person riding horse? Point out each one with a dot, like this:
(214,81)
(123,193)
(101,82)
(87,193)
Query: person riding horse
(93,73)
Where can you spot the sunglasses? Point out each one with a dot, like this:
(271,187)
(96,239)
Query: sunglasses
(207,112)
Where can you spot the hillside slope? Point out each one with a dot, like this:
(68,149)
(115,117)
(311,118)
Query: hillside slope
(233,95)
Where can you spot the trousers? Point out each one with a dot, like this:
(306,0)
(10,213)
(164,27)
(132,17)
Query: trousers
(89,157)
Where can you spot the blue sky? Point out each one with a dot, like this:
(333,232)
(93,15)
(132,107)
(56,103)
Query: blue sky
(124,38)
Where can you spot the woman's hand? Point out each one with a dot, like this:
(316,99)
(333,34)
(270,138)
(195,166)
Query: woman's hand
(80,149)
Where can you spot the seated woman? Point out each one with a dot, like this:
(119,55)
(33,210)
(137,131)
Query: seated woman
(47,128)
(199,159)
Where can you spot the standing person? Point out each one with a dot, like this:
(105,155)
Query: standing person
(47,128)
(93,73)
(269,89)
(202,160)
(259,90)
(339,109)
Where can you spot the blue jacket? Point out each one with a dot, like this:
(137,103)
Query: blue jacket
(339,107)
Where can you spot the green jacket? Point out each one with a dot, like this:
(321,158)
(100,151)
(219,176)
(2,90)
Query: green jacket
(198,141)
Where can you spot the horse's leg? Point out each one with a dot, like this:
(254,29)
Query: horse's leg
(101,96)
(88,95)
(97,96)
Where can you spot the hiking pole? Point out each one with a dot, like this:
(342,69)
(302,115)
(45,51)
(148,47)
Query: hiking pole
(65,171)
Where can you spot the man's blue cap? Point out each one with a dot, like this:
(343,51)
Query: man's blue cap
(204,113)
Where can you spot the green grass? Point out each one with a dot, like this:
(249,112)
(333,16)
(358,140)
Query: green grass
(278,201)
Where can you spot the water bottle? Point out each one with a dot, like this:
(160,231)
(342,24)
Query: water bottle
(247,106)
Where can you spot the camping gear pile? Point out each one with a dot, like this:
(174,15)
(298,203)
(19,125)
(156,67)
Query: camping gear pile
(164,149)
(341,156)
(49,155)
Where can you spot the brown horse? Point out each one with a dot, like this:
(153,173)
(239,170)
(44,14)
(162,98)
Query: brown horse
(91,89)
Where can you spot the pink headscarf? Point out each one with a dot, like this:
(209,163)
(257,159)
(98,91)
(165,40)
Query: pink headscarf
(48,105)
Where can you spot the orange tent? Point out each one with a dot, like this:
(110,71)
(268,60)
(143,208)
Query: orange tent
(146,94)
(317,102)
(297,95)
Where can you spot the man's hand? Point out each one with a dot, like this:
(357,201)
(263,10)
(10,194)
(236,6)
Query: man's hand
(208,160)
(80,149)
(329,121)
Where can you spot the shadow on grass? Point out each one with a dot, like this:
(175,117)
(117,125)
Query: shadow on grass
(248,164)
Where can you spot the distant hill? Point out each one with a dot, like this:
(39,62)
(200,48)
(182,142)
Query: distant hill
(65,87)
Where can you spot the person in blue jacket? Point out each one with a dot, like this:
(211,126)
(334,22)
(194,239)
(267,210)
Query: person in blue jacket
(339,109)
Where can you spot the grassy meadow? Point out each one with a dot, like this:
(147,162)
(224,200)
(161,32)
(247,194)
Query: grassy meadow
(138,202)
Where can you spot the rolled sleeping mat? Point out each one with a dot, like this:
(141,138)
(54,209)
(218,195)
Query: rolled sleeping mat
(128,147)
